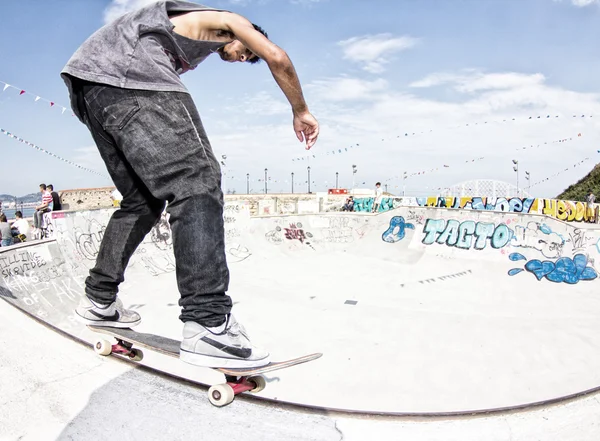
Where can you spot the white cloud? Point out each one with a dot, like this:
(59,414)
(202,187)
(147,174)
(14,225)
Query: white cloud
(583,3)
(347,89)
(374,51)
(473,81)
(580,3)
(119,7)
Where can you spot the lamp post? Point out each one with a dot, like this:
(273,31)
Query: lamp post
(354,170)
(265,181)
(336,180)
(528,177)
(292,182)
(516,169)
(247,183)
(308,170)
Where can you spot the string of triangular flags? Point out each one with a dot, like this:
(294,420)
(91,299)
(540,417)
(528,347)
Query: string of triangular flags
(407,175)
(561,172)
(30,144)
(23,92)
(338,151)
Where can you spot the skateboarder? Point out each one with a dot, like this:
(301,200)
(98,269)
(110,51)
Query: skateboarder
(125,87)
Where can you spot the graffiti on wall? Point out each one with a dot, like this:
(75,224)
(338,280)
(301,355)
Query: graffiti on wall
(568,211)
(563,210)
(366,204)
(296,232)
(466,234)
(563,270)
(539,237)
(512,205)
(397,230)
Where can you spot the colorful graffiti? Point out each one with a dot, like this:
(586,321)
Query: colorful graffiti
(295,232)
(539,237)
(461,234)
(568,211)
(564,270)
(366,204)
(397,230)
(513,205)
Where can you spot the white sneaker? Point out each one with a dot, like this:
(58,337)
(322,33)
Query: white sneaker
(226,346)
(113,315)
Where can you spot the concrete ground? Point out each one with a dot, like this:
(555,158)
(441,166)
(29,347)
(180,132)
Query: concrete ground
(56,389)
(410,319)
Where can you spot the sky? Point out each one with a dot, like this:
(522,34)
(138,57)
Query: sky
(420,95)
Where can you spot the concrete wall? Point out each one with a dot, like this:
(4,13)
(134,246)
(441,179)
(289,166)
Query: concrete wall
(276,204)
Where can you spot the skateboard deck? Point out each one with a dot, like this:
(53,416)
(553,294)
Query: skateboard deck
(238,379)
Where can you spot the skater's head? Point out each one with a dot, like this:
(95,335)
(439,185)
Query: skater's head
(235,51)
(3,218)
(378,185)
(18,214)
(42,187)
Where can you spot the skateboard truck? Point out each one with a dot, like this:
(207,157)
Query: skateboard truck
(103,347)
(222,394)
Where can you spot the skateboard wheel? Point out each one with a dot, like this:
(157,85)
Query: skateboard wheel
(260,383)
(136,355)
(220,395)
(103,347)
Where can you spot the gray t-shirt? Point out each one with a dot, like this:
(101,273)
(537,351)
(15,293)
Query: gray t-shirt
(140,50)
(5,230)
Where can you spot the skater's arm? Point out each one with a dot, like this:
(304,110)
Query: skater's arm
(305,125)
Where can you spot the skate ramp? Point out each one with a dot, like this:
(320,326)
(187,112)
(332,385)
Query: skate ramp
(417,310)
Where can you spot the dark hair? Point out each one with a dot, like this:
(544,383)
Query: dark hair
(51,187)
(256,58)
(18,213)
(43,186)
(3,218)
(378,183)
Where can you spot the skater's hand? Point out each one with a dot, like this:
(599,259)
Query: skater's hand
(306,128)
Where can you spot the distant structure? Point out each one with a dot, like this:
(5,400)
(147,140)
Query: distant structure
(485,187)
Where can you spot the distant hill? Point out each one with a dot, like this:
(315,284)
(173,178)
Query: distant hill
(31,197)
(579,190)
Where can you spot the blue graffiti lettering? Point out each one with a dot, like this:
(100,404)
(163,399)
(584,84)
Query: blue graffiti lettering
(501,236)
(564,270)
(366,204)
(460,235)
(483,232)
(450,234)
(465,234)
(432,228)
(397,230)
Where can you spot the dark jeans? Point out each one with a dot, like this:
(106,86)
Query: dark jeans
(156,150)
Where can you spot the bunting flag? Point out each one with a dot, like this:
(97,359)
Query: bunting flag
(30,144)
(37,98)
(407,175)
(560,172)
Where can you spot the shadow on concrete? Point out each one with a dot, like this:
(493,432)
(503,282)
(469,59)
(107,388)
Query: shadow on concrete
(139,405)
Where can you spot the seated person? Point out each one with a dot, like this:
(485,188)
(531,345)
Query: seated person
(349,205)
(44,207)
(20,227)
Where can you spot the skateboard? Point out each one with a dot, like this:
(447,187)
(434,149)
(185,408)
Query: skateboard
(237,380)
